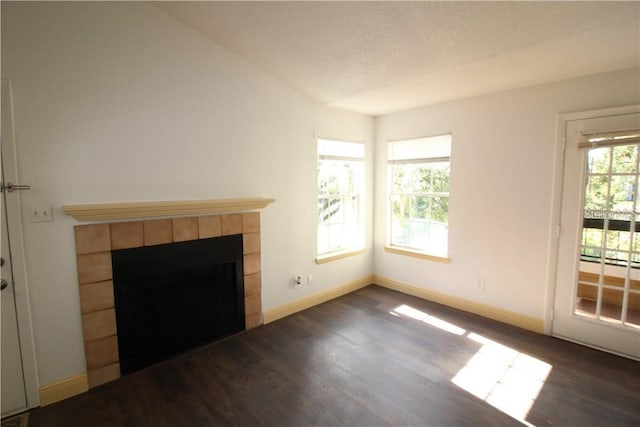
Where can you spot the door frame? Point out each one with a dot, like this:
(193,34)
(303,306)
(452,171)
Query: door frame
(555,228)
(16,240)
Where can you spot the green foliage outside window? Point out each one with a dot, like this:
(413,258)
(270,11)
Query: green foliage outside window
(420,205)
(610,192)
(423,191)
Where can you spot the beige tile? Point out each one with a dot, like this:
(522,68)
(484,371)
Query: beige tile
(252,304)
(103,375)
(101,352)
(157,232)
(94,267)
(185,229)
(96,296)
(209,226)
(99,324)
(125,235)
(92,238)
(251,222)
(231,224)
(253,321)
(252,284)
(251,264)
(251,243)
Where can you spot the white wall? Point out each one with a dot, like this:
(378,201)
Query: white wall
(120,102)
(502,167)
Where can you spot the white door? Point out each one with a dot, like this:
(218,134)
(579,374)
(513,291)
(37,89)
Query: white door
(18,368)
(12,393)
(597,291)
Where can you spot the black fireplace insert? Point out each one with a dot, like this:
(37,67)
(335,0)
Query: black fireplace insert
(171,298)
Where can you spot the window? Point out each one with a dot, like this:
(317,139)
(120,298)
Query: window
(418,174)
(340,196)
(608,285)
(610,221)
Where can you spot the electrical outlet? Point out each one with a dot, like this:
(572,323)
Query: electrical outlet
(481,284)
(40,213)
(297,282)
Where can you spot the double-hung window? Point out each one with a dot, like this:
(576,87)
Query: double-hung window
(340,197)
(418,184)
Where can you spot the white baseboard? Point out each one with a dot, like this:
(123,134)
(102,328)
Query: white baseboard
(523,321)
(307,302)
(63,389)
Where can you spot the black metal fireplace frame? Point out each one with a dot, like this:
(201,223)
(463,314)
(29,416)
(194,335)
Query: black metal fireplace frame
(151,333)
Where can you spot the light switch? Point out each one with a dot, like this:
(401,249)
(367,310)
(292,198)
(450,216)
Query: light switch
(41,213)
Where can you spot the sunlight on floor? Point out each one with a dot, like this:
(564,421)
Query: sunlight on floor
(405,310)
(501,376)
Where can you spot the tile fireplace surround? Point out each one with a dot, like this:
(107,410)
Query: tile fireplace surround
(94,243)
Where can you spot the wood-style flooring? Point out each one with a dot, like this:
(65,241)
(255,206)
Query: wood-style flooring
(371,358)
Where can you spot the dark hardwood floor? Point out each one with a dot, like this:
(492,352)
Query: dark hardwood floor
(370,358)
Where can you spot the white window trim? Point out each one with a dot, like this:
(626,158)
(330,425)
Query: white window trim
(408,250)
(329,256)
(401,250)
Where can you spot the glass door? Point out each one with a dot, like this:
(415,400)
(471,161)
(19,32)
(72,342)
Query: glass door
(597,295)
(608,286)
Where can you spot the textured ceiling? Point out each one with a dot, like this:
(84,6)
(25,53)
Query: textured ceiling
(381,57)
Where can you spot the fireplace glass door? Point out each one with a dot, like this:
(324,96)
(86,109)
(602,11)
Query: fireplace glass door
(171,298)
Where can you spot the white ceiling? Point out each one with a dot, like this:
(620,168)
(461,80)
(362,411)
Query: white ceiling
(381,57)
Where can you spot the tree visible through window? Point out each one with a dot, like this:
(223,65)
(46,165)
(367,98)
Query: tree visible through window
(611,183)
(340,194)
(419,177)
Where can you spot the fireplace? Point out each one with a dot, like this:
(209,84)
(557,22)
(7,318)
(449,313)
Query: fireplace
(171,298)
(97,245)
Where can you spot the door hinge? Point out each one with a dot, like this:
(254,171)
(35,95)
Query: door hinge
(558,230)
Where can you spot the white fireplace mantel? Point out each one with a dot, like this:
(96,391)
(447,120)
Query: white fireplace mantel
(138,210)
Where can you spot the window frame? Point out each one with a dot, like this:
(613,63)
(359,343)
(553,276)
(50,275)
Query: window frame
(358,245)
(400,159)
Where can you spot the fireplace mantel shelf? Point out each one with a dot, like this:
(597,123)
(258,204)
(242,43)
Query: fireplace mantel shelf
(138,210)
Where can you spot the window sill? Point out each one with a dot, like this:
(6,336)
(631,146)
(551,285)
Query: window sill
(338,255)
(416,254)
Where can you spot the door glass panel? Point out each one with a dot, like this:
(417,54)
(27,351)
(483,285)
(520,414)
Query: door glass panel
(592,237)
(608,288)
(586,301)
(625,158)
(596,194)
(633,309)
(598,160)
(611,305)
(621,195)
